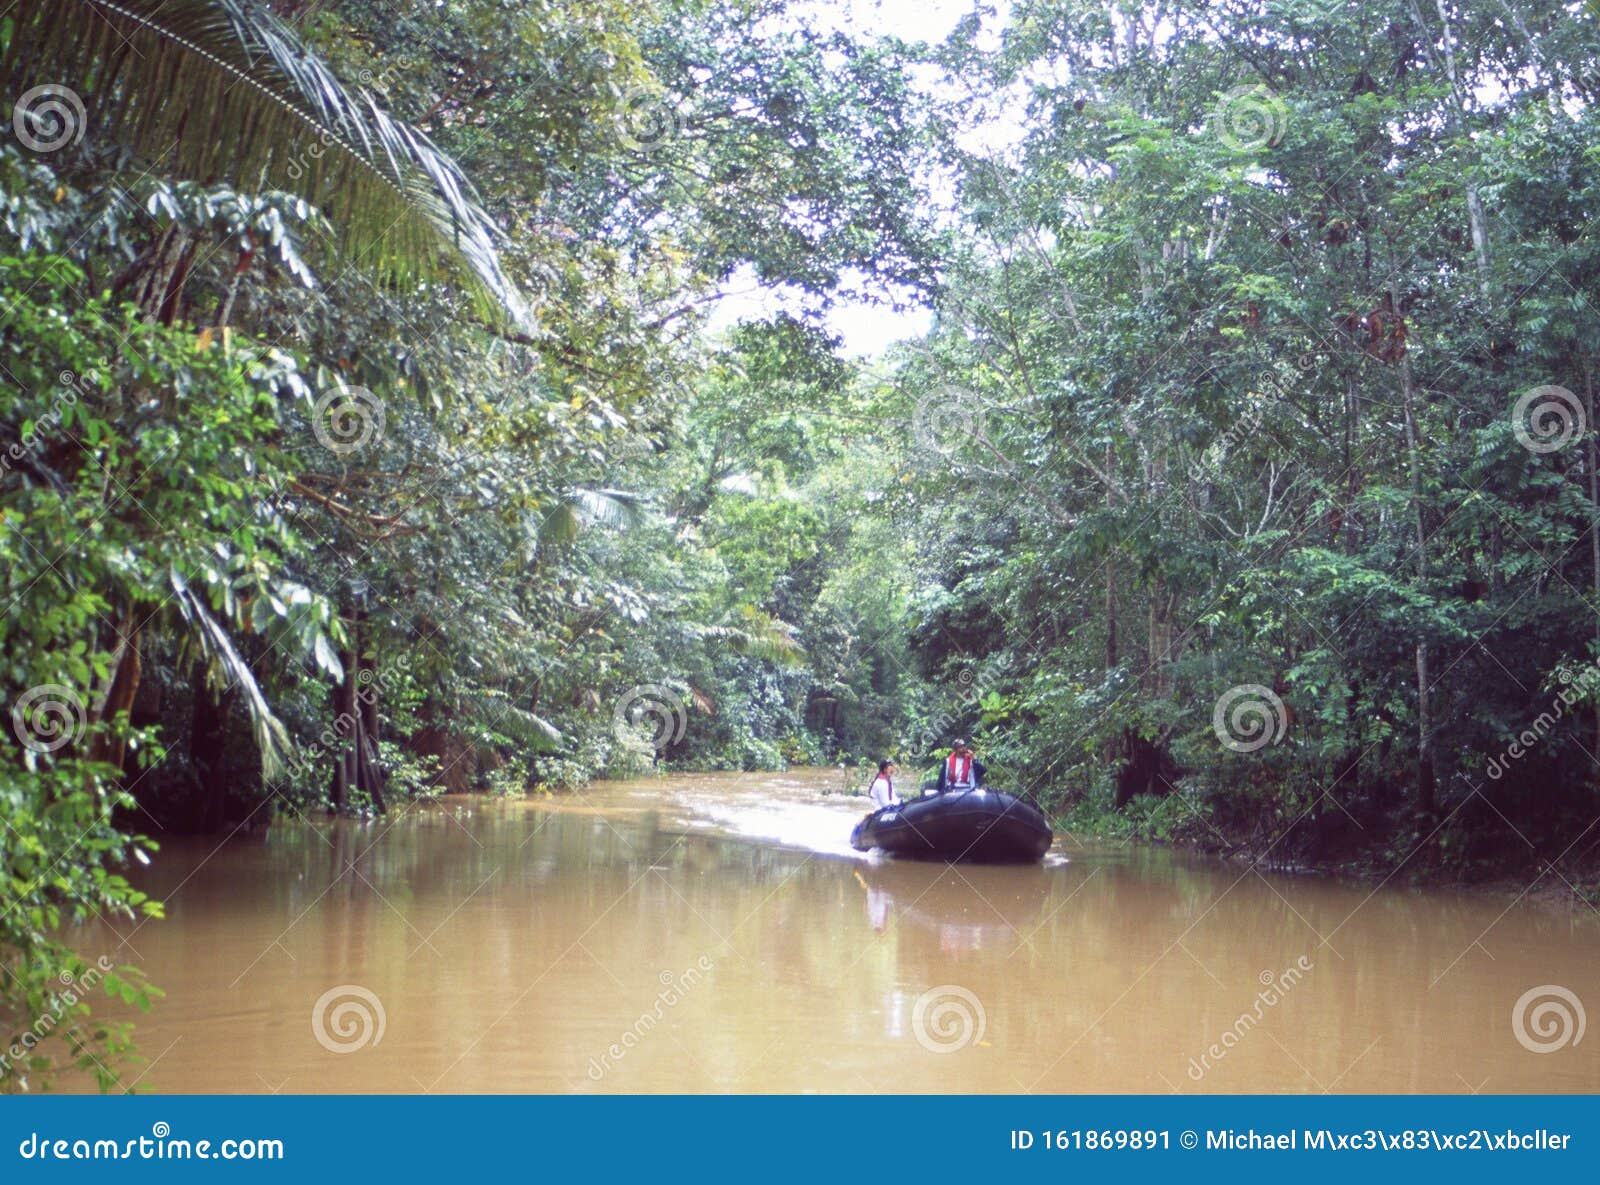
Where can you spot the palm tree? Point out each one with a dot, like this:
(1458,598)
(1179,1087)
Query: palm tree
(221,91)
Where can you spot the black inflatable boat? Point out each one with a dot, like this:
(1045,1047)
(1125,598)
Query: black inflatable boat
(983,826)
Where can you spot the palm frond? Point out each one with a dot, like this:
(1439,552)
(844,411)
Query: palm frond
(580,507)
(225,667)
(754,634)
(493,710)
(222,91)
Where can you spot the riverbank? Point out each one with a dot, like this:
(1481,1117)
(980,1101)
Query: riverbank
(1409,859)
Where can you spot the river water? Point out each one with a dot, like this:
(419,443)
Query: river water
(715,933)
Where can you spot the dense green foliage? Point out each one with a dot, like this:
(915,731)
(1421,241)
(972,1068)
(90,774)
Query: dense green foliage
(1268,351)
(293,520)
(372,441)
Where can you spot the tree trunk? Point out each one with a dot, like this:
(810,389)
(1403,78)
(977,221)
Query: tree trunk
(118,696)
(354,701)
(1476,221)
(1425,770)
(1111,614)
(1352,469)
(1594,539)
(372,768)
(208,739)
(1111,593)
(1159,633)
(339,789)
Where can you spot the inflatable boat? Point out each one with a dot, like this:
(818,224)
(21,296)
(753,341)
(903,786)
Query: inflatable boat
(983,826)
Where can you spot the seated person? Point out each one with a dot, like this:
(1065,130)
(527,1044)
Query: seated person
(881,792)
(961,770)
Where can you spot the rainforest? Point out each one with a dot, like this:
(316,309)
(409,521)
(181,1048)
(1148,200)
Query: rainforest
(416,408)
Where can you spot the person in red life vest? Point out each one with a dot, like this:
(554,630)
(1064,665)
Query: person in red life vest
(961,770)
(881,792)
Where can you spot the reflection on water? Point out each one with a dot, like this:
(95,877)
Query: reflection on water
(967,907)
(715,933)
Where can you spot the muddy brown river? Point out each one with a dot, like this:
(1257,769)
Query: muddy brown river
(715,933)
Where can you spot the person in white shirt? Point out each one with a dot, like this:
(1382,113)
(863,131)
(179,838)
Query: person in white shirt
(881,792)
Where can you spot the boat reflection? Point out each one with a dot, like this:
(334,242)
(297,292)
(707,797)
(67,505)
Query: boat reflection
(968,907)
